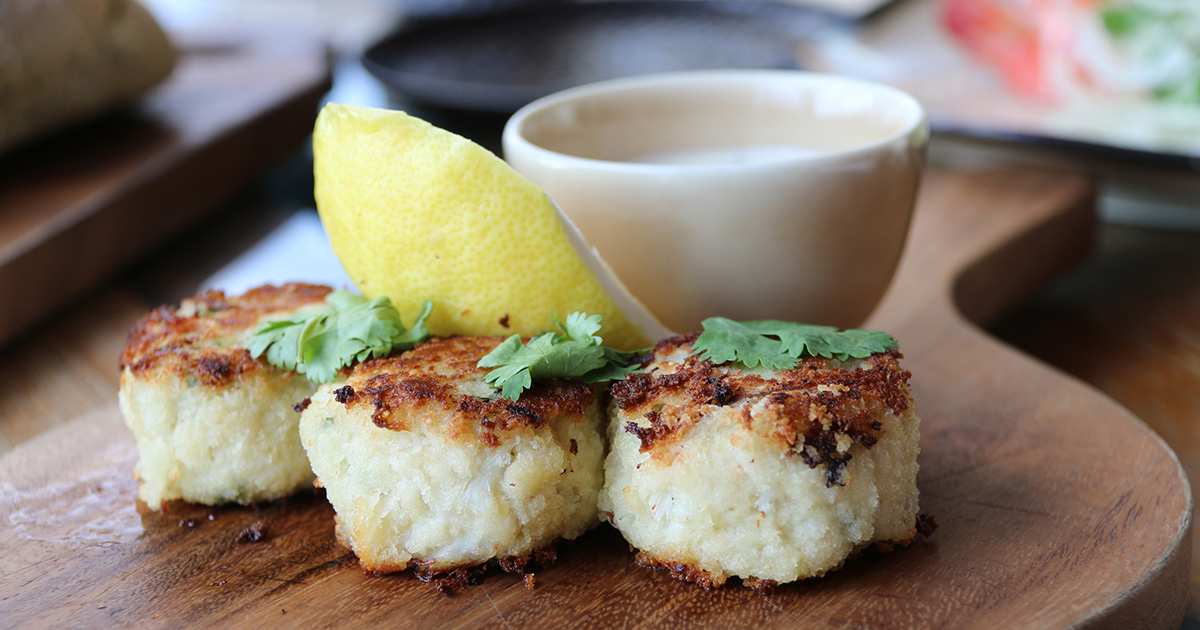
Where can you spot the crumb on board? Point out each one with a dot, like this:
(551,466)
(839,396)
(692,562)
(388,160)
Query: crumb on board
(926,524)
(255,532)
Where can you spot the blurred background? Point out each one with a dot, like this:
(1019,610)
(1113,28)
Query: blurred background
(1109,86)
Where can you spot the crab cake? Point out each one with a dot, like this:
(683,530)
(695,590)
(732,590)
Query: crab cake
(212,424)
(426,467)
(771,476)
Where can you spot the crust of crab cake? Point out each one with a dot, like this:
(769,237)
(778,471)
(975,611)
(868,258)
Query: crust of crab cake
(683,571)
(431,570)
(421,472)
(441,376)
(209,445)
(730,503)
(686,571)
(814,410)
(419,497)
(200,343)
(450,580)
(771,476)
(212,424)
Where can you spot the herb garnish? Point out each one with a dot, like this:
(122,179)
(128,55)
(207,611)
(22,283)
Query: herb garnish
(780,345)
(573,352)
(319,342)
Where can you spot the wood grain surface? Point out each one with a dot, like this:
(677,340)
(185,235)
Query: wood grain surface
(82,204)
(1128,322)
(1057,507)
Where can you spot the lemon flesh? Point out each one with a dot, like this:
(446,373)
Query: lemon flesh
(417,213)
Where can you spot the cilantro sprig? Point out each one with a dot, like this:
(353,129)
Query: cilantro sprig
(574,351)
(319,342)
(780,345)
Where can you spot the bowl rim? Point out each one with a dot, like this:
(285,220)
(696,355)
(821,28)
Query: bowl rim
(513,137)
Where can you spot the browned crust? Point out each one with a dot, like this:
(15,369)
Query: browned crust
(806,410)
(424,380)
(255,532)
(681,571)
(926,524)
(687,572)
(448,580)
(187,343)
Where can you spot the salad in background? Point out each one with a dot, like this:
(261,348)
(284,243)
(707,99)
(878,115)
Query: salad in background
(1049,50)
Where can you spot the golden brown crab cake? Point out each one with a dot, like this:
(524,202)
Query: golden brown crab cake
(426,467)
(214,425)
(770,476)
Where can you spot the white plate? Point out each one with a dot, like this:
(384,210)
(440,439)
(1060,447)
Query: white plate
(908,48)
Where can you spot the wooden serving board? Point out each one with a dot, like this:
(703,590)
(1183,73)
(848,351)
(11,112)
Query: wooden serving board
(1056,507)
(77,206)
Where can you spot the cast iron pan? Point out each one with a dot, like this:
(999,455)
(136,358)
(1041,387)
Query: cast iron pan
(500,62)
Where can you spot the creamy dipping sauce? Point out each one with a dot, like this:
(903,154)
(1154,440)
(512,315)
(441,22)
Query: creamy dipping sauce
(755,154)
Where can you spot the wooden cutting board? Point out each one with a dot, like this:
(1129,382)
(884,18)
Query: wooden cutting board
(77,206)
(1056,507)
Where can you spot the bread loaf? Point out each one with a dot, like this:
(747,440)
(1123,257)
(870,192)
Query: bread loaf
(64,60)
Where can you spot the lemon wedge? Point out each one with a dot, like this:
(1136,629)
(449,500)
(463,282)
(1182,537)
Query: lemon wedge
(417,213)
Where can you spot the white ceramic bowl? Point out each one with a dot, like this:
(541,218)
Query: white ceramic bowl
(745,194)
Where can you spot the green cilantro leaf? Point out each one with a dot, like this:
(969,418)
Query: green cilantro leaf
(415,335)
(780,345)
(573,352)
(581,327)
(321,341)
(725,340)
(616,366)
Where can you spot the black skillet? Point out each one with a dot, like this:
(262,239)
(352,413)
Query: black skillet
(500,62)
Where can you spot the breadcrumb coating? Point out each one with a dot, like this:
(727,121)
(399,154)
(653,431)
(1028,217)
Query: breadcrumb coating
(427,467)
(212,424)
(719,471)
